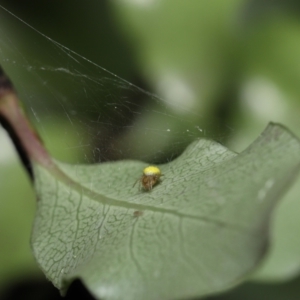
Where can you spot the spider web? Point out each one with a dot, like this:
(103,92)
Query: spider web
(109,117)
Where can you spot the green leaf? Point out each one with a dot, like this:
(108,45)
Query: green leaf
(198,232)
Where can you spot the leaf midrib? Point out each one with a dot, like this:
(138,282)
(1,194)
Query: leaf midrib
(61,176)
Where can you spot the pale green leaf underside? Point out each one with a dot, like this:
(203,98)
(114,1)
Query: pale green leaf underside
(199,231)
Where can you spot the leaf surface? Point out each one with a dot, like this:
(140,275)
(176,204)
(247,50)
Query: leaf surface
(198,232)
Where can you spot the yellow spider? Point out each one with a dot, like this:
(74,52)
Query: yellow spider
(151,176)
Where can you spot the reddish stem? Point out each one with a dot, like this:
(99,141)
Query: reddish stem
(20,129)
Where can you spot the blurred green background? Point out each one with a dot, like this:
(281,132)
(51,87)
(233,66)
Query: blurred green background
(215,69)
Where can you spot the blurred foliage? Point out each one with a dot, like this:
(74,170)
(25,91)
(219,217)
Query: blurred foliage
(260,291)
(16,215)
(236,62)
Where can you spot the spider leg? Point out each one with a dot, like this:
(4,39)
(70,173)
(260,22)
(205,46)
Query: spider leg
(136,182)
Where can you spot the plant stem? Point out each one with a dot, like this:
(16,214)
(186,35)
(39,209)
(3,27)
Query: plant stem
(24,136)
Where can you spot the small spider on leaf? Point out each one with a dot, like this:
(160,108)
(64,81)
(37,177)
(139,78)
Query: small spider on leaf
(150,177)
